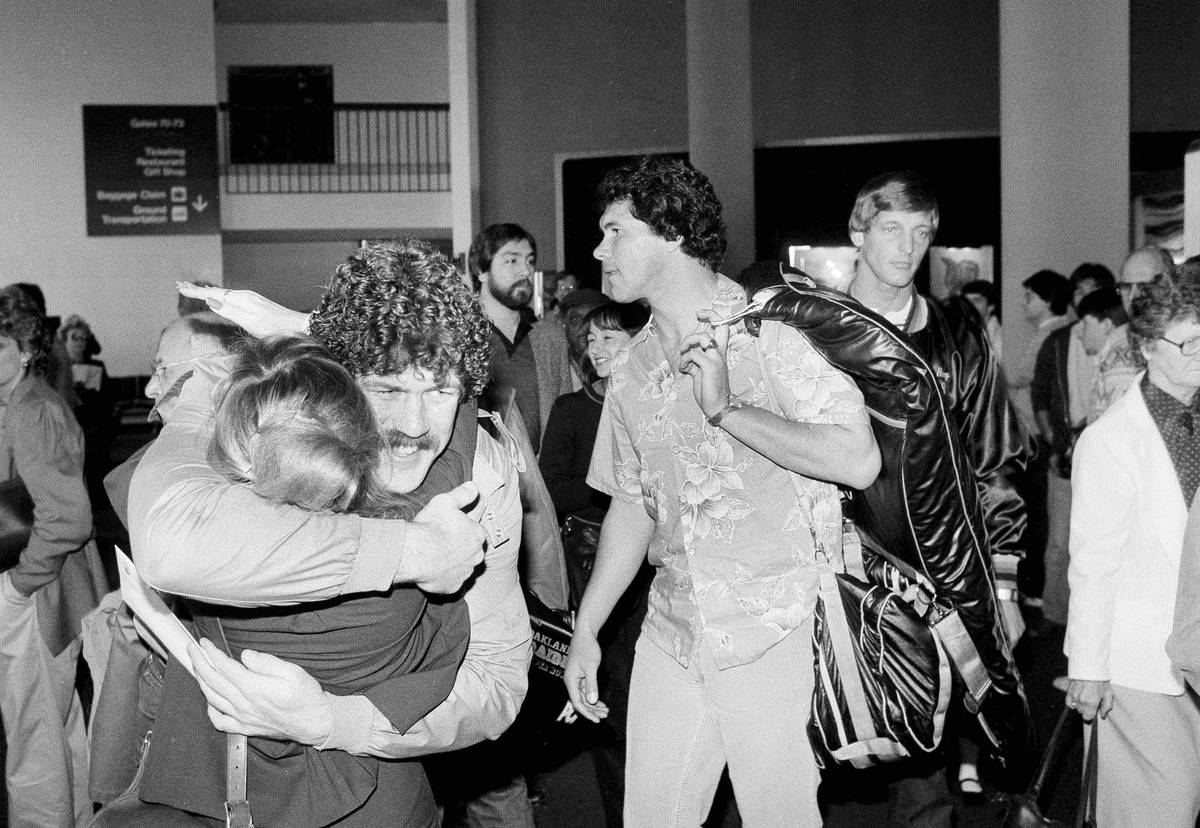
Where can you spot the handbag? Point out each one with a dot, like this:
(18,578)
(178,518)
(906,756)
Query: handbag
(547,707)
(552,630)
(128,811)
(580,537)
(883,679)
(1024,810)
(16,521)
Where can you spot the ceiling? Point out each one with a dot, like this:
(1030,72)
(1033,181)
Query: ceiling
(330,11)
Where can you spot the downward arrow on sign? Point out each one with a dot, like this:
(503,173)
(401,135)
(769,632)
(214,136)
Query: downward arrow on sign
(199,204)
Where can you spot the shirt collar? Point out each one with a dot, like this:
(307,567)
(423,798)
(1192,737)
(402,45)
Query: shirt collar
(524,326)
(1167,412)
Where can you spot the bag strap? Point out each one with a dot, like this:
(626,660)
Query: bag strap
(852,550)
(237,803)
(237,806)
(843,652)
(1086,815)
(1049,754)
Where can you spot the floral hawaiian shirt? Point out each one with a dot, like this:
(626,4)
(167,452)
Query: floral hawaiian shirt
(737,538)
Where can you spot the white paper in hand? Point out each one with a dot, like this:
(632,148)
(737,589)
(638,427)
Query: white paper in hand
(153,612)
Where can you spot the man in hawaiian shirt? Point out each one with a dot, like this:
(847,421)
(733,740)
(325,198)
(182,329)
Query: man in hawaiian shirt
(721,453)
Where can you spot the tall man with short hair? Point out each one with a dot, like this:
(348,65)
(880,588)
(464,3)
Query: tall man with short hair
(720,452)
(893,222)
(529,356)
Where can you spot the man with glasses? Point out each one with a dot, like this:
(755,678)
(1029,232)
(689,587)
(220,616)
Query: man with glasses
(1119,361)
(184,341)
(119,724)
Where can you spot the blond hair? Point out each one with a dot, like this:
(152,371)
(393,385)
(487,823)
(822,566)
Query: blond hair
(294,425)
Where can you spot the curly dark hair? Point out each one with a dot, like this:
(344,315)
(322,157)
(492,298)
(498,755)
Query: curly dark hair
(674,198)
(20,319)
(1163,302)
(396,304)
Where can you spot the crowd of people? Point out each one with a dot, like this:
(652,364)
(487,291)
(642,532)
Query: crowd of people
(342,506)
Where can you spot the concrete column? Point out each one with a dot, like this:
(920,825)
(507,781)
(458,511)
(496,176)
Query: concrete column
(721,115)
(464,124)
(1191,200)
(1064,142)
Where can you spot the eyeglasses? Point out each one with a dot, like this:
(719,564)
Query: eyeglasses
(157,368)
(1189,347)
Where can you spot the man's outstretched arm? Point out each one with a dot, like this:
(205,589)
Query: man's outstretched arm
(196,534)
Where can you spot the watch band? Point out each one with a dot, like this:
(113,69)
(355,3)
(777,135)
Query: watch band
(731,404)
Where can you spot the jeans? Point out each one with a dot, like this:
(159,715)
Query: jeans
(687,723)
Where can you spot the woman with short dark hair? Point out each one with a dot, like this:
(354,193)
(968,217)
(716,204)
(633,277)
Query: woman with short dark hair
(54,579)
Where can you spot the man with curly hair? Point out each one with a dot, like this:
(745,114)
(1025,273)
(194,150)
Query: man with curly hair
(398,317)
(720,451)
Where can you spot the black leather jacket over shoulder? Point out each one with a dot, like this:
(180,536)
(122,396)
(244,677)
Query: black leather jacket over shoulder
(926,507)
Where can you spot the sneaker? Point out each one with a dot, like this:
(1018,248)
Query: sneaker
(969,785)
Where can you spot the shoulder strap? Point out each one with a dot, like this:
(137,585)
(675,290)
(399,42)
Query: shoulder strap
(844,654)
(237,806)
(849,558)
(237,803)
(1086,817)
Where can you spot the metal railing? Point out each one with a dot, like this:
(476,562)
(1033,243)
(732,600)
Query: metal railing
(346,148)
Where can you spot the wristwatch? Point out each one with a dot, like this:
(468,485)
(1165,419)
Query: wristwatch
(731,404)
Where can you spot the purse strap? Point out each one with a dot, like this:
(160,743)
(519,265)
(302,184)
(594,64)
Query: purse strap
(1086,816)
(237,803)
(1049,754)
(237,806)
